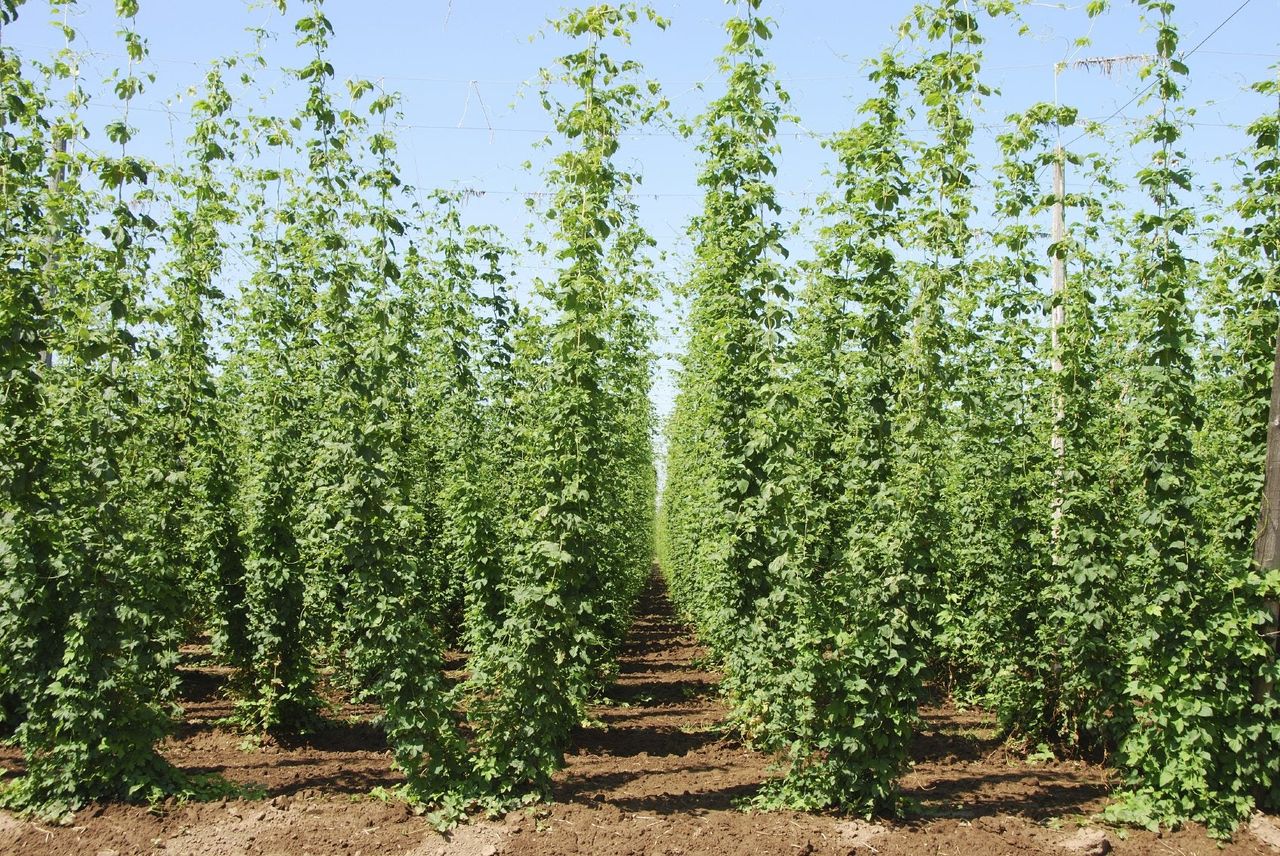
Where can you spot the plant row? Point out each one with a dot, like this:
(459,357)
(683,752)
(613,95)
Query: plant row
(934,469)
(269,395)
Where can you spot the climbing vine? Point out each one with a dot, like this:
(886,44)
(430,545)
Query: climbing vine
(726,536)
(575,570)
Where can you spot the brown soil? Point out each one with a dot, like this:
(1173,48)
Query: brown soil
(654,772)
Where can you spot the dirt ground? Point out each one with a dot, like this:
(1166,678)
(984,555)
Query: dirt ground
(655,773)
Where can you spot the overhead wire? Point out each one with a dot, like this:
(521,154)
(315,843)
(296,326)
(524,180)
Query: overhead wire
(1144,90)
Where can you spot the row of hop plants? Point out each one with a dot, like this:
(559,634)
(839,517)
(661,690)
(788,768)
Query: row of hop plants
(269,394)
(927,470)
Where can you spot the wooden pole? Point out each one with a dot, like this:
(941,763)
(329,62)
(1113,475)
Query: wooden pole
(1057,320)
(56,177)
(1266,546)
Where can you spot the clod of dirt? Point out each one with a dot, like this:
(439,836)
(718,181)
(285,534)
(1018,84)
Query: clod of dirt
(1266,830)
(1088,842)
(856,834)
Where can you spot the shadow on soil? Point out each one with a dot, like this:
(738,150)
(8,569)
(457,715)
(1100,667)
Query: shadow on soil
(654,741)
(202,685)
(989,794)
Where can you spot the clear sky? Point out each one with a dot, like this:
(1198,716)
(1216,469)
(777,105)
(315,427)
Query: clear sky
(461,66)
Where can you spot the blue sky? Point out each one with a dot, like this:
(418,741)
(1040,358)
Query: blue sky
(461,66)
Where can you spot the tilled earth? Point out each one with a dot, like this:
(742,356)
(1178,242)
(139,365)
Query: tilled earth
(654,773)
